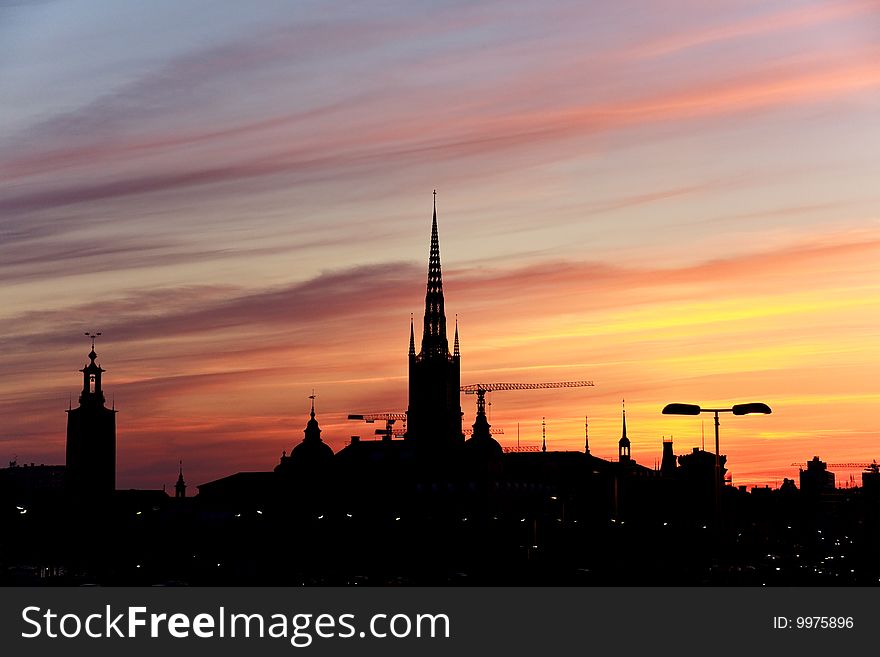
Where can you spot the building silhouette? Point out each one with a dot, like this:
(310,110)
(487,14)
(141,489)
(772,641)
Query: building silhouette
(434,412)
(431,508)
(180,485)
(91,439)
(816,478)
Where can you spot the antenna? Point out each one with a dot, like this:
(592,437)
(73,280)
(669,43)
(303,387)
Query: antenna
(586,434)
(543,434)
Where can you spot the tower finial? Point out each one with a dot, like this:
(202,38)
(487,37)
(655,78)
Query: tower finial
(623,403)
(543,435)
(92,336)
(412,336)
(312,397)
(456,351)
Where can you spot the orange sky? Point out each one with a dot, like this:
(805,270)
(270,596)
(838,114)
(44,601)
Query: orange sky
(674,200)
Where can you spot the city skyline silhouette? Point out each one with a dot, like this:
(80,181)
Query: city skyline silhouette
(433,504)
(677,205)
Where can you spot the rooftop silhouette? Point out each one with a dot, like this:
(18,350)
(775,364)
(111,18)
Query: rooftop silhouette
(432,507)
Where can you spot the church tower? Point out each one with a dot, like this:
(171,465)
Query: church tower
(623,444)
(91,438)
(434,414)
(180,486)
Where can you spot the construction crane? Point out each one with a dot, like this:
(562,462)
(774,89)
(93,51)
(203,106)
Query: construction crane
(843,466)
(389,418)
(400,433)
(480,389)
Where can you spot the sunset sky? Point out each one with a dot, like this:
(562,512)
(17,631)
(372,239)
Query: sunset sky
(676,199)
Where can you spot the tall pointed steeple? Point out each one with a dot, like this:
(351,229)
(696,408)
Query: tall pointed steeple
(434,341)
(434,412)
(412,337)
(456,351)
(543,434)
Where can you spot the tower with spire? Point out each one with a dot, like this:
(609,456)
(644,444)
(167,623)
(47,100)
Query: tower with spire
(91,438)
(434,413)
(623,444)
(180,486)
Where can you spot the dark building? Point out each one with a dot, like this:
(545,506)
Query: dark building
(180,486)
(816,478)
(23,483)
(91,439)
(623,445)
(871,480)
(667,464)
(312,457)
(434,414)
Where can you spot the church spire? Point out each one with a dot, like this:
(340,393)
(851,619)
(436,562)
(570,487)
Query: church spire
(434,341)
(456,351)
(623,445)
(412,337)
(180,486)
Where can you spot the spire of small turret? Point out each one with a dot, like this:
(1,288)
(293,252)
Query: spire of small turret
(412,336)
(623,445)
(586,435)
(456,351)
(312,431)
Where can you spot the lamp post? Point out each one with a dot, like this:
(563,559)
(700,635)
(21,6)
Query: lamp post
(752,408)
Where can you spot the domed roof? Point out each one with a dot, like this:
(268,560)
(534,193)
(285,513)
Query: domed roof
(486,445)
(312,451)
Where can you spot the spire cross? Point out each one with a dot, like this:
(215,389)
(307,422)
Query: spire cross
(92,336)
(312,397)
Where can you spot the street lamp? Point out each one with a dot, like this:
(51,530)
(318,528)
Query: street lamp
(752,408)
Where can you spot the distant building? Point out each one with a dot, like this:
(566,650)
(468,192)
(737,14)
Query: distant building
(26,483)
(871,480)
(667,464)
(623,445)
(311,457)
(180,486)
(816,478)
(91,439)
